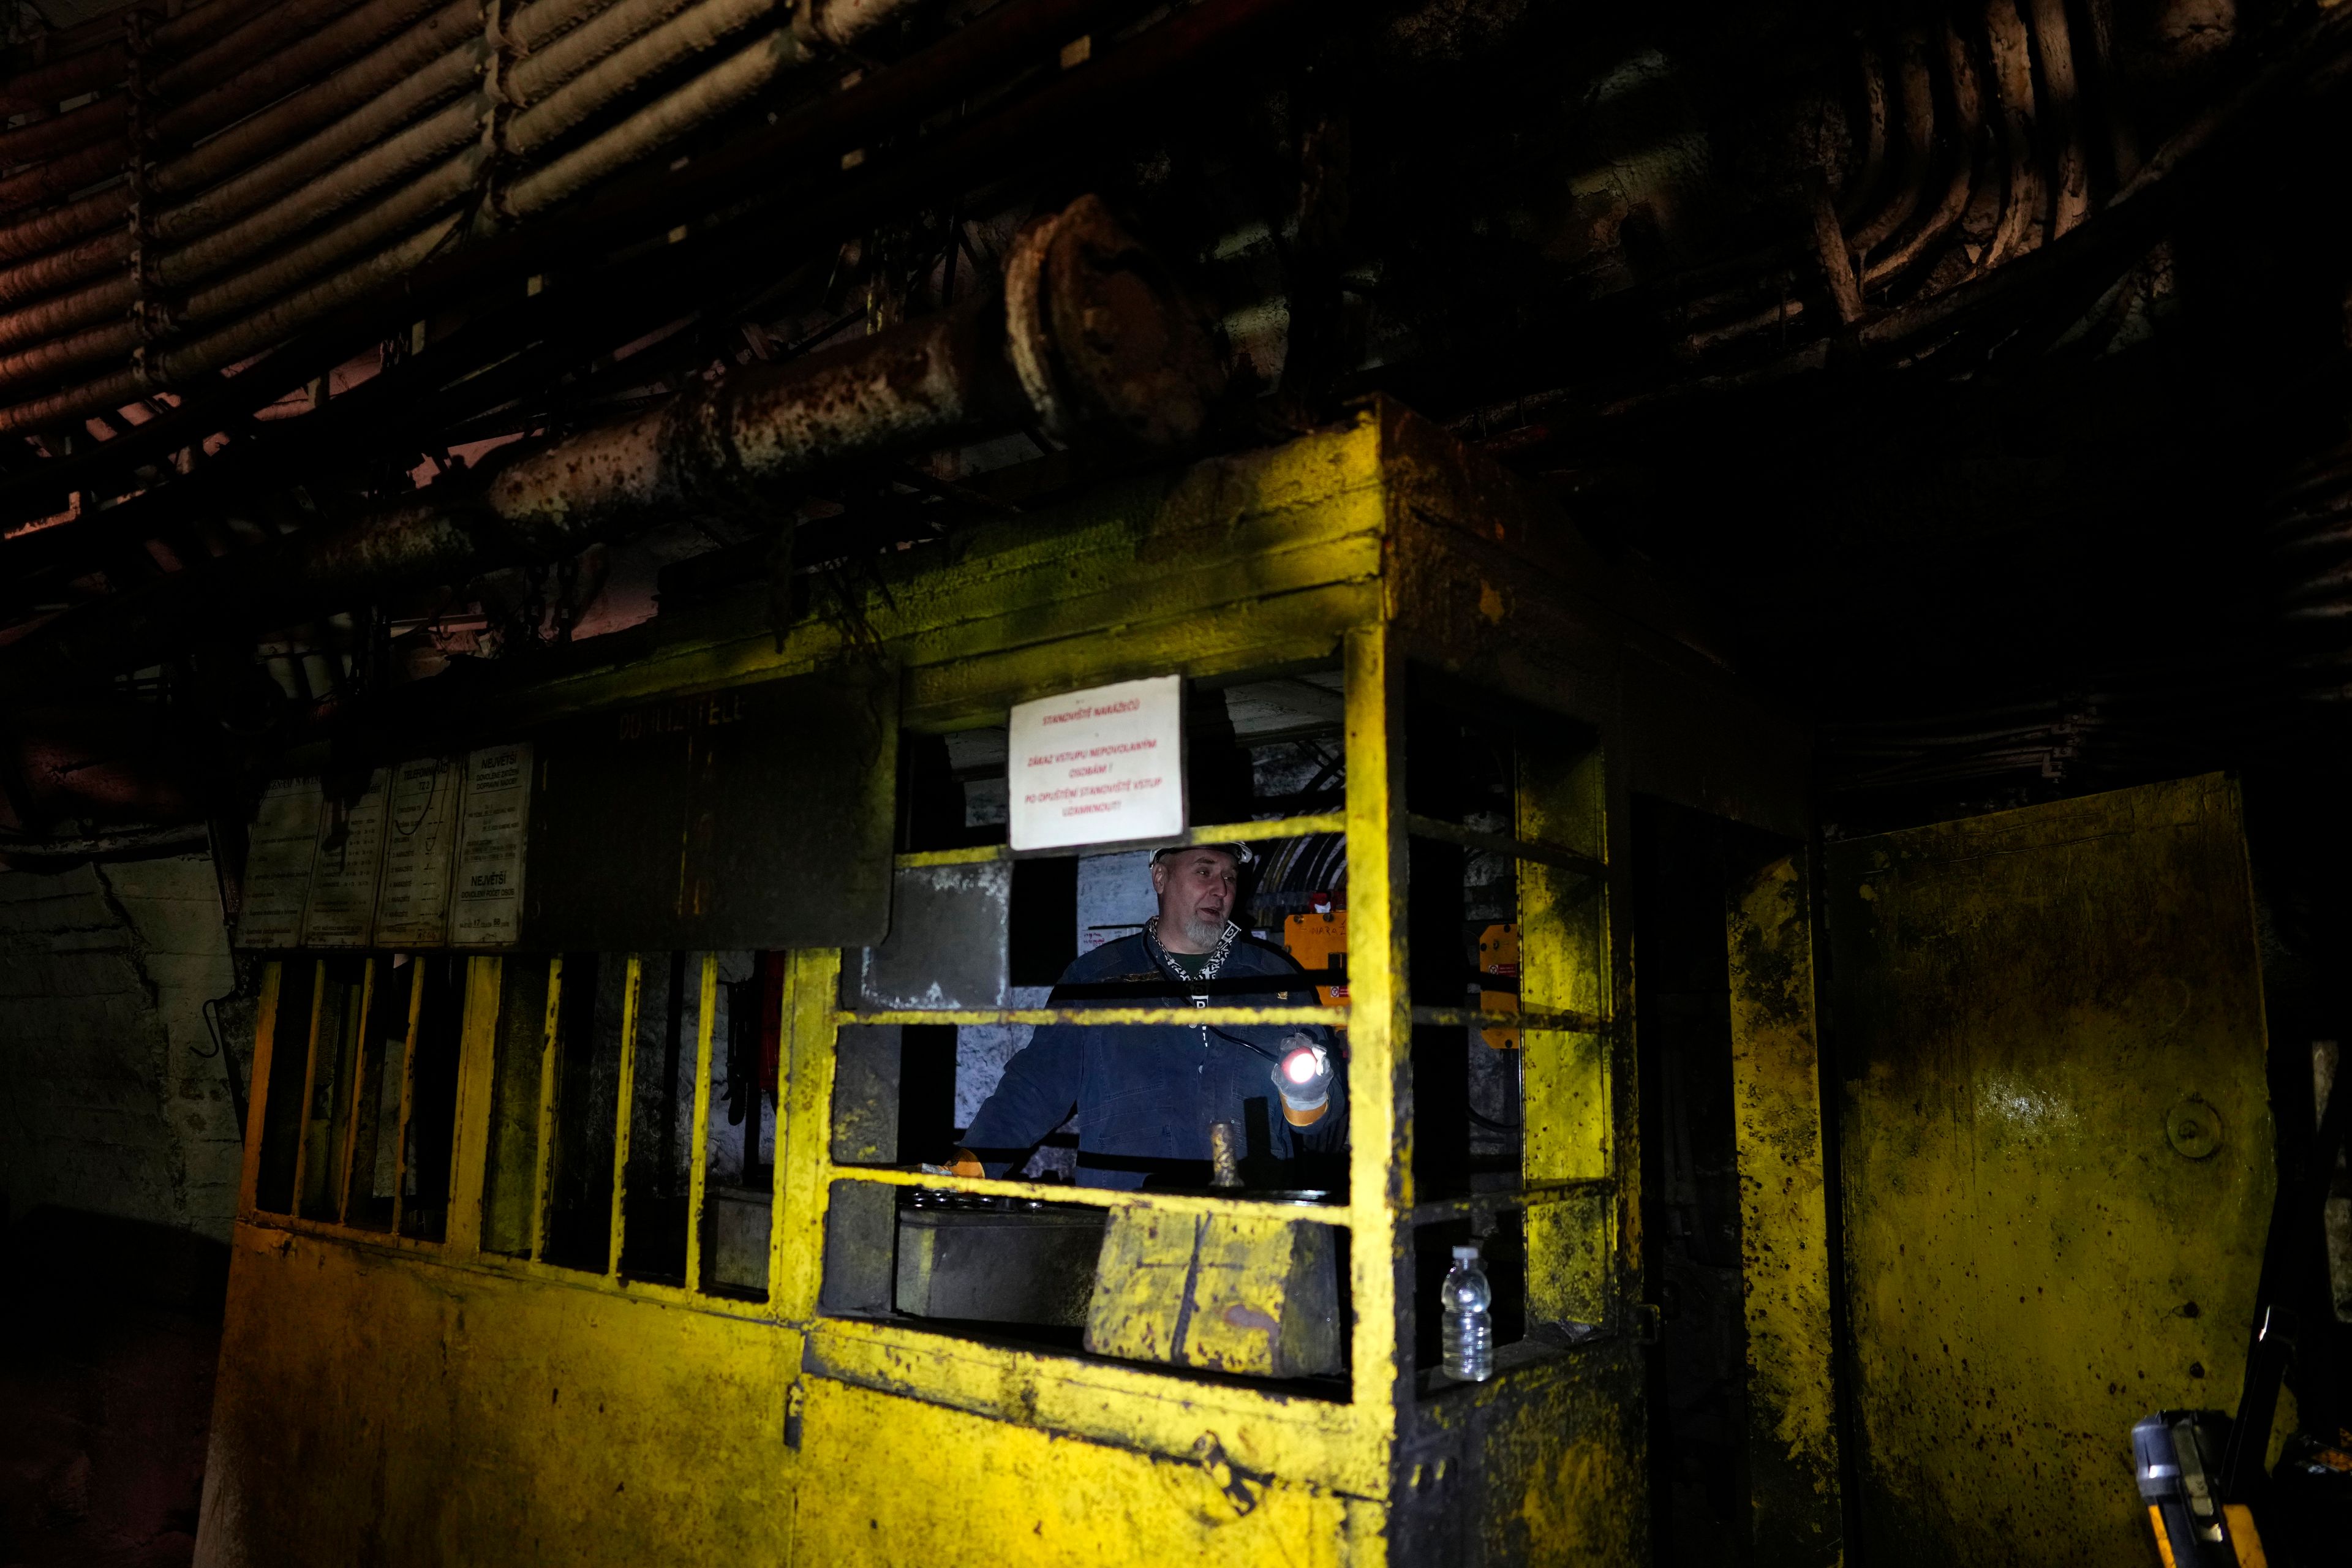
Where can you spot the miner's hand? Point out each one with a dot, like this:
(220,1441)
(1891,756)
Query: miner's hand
(1304,1076)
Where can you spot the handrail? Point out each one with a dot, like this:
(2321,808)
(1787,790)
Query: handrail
(1534,850)
(1214,833)
(1240,1207)
(1336,1017)
(1508,1200)
(1566,1023)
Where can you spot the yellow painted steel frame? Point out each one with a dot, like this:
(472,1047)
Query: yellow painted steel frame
(383,1399)
(2040,1257)
(1793,1439)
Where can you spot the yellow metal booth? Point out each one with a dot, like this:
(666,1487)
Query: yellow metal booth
(529,1270)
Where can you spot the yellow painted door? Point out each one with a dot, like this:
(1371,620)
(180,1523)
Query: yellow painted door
(2056,1149)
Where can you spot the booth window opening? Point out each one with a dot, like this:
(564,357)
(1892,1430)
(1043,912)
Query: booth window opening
(1512,1013)
(637,1122)
(631,1130)
(976,963)
(359,1122)
(980,940)
(1074,1242)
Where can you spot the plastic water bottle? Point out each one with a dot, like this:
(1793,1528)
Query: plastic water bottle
(1469,1330)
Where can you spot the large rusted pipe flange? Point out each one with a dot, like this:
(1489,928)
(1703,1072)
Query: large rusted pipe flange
(1104,339)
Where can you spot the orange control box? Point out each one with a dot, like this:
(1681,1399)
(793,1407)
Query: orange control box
(1313,939)
(1498,956)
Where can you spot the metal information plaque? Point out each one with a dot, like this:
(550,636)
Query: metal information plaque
(1098,766)
(412,908)
(281,846)
(754,817)
(345,867)
(486,899)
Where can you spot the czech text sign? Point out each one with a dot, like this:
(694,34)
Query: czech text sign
(283,843)
(485,908)
(346,867)
(1098,766)
(413,911)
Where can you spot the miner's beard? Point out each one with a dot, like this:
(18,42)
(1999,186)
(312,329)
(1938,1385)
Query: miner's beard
(1201,932)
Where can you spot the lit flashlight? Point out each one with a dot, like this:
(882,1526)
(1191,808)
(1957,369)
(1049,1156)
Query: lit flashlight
(1303,1074)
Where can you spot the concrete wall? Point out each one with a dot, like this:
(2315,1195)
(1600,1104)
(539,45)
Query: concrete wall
(105,1102)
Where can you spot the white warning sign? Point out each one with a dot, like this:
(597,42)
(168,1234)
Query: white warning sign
(1099,766)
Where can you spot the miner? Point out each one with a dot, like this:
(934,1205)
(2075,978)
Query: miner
(1147,1095)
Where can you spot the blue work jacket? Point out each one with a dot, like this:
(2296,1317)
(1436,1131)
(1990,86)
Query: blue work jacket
(1146,1094)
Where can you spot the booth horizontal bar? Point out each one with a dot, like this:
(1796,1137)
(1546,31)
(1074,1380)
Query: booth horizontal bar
(1533,849)
(1479,1018)
(1241,1205)
(1336,1017)
(1215,833)
(1509,1200)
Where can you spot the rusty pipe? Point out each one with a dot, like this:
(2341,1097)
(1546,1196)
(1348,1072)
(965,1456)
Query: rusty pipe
(103,761)
(266,32)
(536,24)
(182,362)
(63,225)
(328,170)
(431,195)
(63,134)
(1918,105)
(2013,79)
(1959,188)
(735,80)
(2071,179)
(396,159)
(696,31)
(54,356)
(1098,342)
(239,338)
(939,380)
(365,99)
(41,853)
(1092,338)
(198,25)
(63,175)
(93,54)
(439,158)
(111,390)
(301,274)
(304,59)
(431,61)
(307,298)
(2122,143)
(1837,263)
(60,269)
(1873,136)
(1002,35)
(556,61)
(46,86)
(52,318)
(366,151)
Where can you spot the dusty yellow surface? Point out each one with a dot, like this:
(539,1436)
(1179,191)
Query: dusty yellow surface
(1783,1220)
(2024,999)
(393,1401)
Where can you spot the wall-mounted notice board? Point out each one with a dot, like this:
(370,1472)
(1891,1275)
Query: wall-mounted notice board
(756,817)
(423,854)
